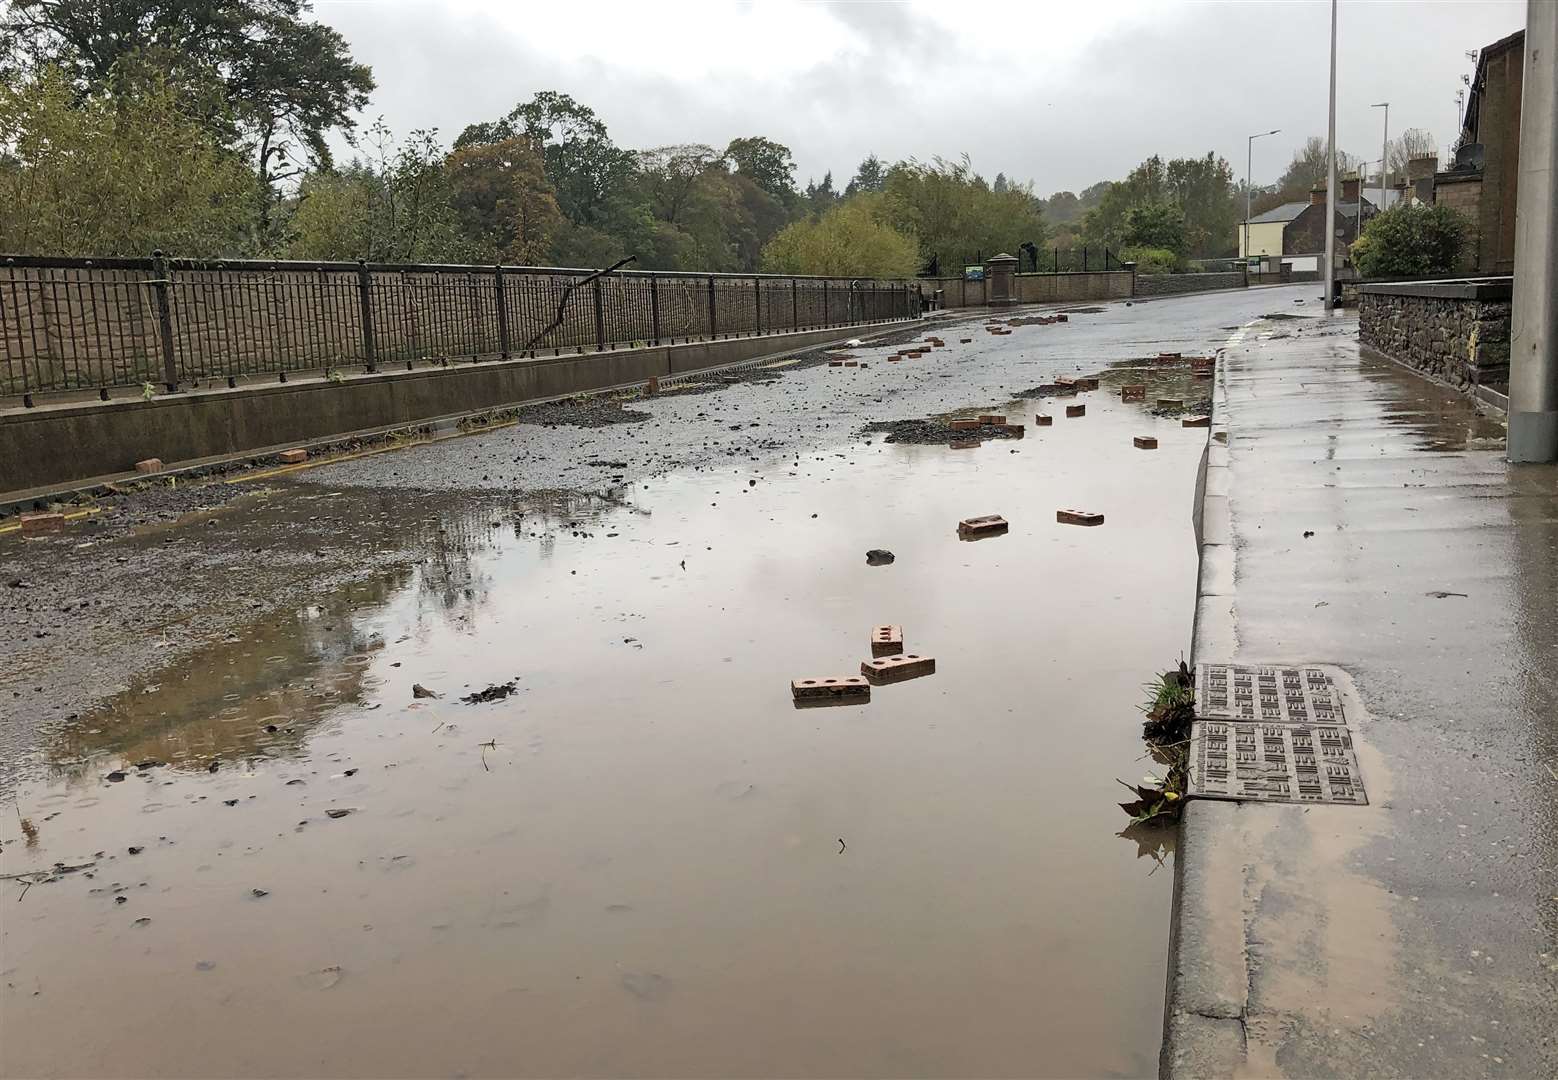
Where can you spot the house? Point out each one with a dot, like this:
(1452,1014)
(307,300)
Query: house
(1262,233)
(1481,182)
(1305,234)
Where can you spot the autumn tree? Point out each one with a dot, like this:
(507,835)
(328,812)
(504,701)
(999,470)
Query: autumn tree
(764,162)
(955,215)
(502,201)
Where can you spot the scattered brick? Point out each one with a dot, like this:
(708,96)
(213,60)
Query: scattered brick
(1078,517)
(886,640)
(1017,428)
(652,387)
(293,457)
(1170,403)
(835,363)
(1087,383)
(1201,363)
(839,687)
(891,669)
(1145,442)
(1196,421)
(1168,356)
(1041,420)
(965,341)
(851,363)
(964,423)
(149,465)
(1062,317)
(963,444)
(1133,392)
(991,418)
(990,523)
(1203,374)
(42,523)
(1076,410)
(895,359)
(914,354)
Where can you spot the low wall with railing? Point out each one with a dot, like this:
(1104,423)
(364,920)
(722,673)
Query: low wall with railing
(1061,288)
(68,325)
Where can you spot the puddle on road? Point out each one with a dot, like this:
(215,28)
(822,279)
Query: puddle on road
(646,861)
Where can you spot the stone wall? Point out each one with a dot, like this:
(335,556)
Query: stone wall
(1455,331)
(1172,284)
(1062,288)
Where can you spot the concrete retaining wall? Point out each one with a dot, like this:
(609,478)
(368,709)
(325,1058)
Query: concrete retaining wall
(1174,284)
(1457,331)
(1062,288)
(67,443)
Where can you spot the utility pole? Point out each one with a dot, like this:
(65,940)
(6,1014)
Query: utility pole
(1384,158)
(1330,179)
(1249,157)
(1533,340)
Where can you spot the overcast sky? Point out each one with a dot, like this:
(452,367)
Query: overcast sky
(1060,92)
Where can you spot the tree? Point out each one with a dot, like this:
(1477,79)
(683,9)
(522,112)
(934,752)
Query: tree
(870,176)
(955,216)
(1409,241)
(1001,184)
(821,197)
(764,162)
(1204,191)
(1159,224)
(121,169)
(1062,207)
(1309,168)
(392,207)
(584,166)
(851,239)
(670,174)
(502,201)
(1411,144)
(286,80)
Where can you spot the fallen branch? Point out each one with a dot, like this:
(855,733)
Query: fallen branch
(562,304)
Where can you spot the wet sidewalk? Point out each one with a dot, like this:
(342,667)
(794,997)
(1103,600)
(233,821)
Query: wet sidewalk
(1363,518)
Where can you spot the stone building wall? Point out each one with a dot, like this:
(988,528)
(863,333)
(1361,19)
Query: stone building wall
(1462,339)
(1172,284)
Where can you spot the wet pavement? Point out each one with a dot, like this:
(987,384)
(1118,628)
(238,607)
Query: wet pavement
(1361,516)
(240,843)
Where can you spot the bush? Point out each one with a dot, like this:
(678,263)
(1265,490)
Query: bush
(1410,241)
(1150,260)
(850,240)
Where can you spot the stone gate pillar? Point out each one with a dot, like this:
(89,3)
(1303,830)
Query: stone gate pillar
(1000,287)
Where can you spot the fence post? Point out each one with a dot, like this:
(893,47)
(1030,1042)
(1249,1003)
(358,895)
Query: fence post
(757,303)
(1084,258)
(825,312)
(795,305)
(654,307)
(503,312)
(159,270)
(600,316)
(365,307)
(712,322)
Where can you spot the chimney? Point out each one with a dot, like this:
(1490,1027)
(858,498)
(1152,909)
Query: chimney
(1350,190)
(1317,196)
(1419,167)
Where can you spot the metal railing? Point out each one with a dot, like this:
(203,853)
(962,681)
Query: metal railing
(83,324)
(1052,260)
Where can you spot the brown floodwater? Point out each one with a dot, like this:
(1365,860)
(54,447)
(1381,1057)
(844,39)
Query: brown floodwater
(645,861)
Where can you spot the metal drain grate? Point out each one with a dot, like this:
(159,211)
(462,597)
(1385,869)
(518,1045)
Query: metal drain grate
(1303,763)
(1270,695)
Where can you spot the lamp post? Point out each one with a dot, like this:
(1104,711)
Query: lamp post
(1330,179)
(1249,157)
(1384,153)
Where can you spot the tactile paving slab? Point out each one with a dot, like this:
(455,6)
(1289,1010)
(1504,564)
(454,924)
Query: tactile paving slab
(1270,695)
(1301,763)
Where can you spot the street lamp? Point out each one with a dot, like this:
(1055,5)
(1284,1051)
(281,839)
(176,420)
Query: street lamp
(1384,165)
(1249,157)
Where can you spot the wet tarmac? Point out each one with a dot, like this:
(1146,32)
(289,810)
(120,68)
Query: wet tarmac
(249,848)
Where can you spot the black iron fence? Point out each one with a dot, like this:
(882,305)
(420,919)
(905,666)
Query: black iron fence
(82,324)
(1037,260)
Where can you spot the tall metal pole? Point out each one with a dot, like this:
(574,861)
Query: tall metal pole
(1330,182)
(1249,157)
(1533,342)
(1384,156)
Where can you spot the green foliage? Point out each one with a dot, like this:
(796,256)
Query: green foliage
(393,207)
(1158,224)
(851,240)
(764,162)
(115,170)
(1409,241)
(870,176)
(955,215)
(1151,260)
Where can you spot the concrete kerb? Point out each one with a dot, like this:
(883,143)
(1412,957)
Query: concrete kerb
(446,425)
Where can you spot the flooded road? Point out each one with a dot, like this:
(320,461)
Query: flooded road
(645,860)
